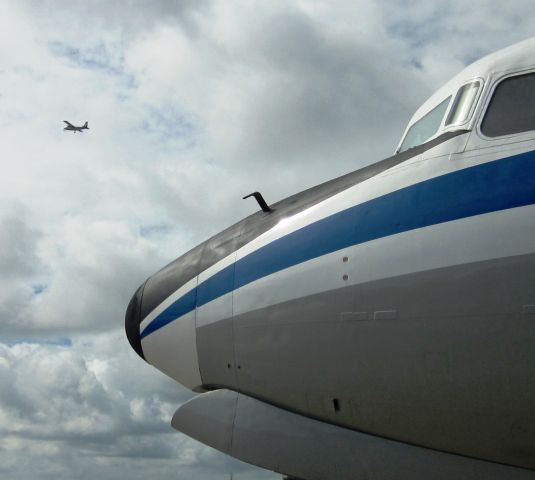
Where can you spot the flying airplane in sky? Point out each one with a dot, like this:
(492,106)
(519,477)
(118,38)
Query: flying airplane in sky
(380,325)
(75,129)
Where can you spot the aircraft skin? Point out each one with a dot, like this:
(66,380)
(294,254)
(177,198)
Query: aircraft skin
(75,129)
(380,325)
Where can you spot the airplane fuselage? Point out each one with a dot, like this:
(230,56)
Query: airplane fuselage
(73,128)
(397,301)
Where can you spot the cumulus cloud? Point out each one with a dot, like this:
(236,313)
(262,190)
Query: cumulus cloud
(191,104)
(91,407)
(19,265)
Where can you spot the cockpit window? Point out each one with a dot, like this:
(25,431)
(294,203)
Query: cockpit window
(463,104)
(512,108)
(426,127)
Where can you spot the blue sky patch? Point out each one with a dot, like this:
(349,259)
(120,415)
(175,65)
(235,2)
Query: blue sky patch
(39,288)
(157,230)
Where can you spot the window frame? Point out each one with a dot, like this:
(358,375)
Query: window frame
(471,115)
(489,96)
(439,130)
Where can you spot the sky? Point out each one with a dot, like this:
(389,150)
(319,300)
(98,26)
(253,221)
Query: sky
(191,105)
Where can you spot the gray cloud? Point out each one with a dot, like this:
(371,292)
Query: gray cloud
(18,241)
(70,406)
(20,267)
(80,412)
(191,105)
(131,17)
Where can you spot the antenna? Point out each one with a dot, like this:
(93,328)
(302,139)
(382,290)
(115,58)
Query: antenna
(260,199)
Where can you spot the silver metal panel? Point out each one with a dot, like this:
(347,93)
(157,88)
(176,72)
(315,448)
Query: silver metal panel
(174,349)
(353,316)
(217,364)
(453,372)
(203,419)
(282,441)
(385,315)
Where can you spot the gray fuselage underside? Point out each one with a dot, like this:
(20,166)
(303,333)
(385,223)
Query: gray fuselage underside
(442,358)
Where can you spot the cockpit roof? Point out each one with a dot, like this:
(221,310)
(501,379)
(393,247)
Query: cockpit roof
(513,58)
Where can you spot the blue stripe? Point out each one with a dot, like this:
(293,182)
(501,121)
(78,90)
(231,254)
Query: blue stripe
(490,187)
(183,305)
(217,285)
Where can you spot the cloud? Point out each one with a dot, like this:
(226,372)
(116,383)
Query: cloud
(281,87)
(191,105)
(20,266)
(93,408)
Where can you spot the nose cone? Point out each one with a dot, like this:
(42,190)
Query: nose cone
(133,319)
(168,331)
(160,321)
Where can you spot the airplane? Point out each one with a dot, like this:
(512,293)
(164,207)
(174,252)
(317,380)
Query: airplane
(380,325)
(75,129)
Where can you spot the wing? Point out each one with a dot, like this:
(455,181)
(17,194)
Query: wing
(277,439)
(68,123)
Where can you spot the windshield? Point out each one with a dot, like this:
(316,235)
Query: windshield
(511,109)
(463,103)
(426,127)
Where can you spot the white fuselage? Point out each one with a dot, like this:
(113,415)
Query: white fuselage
(401,305)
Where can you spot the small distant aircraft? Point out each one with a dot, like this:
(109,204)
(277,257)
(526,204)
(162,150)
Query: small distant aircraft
(75,129)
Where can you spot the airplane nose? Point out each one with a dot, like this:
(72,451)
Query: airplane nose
(168,337)
(133,319)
